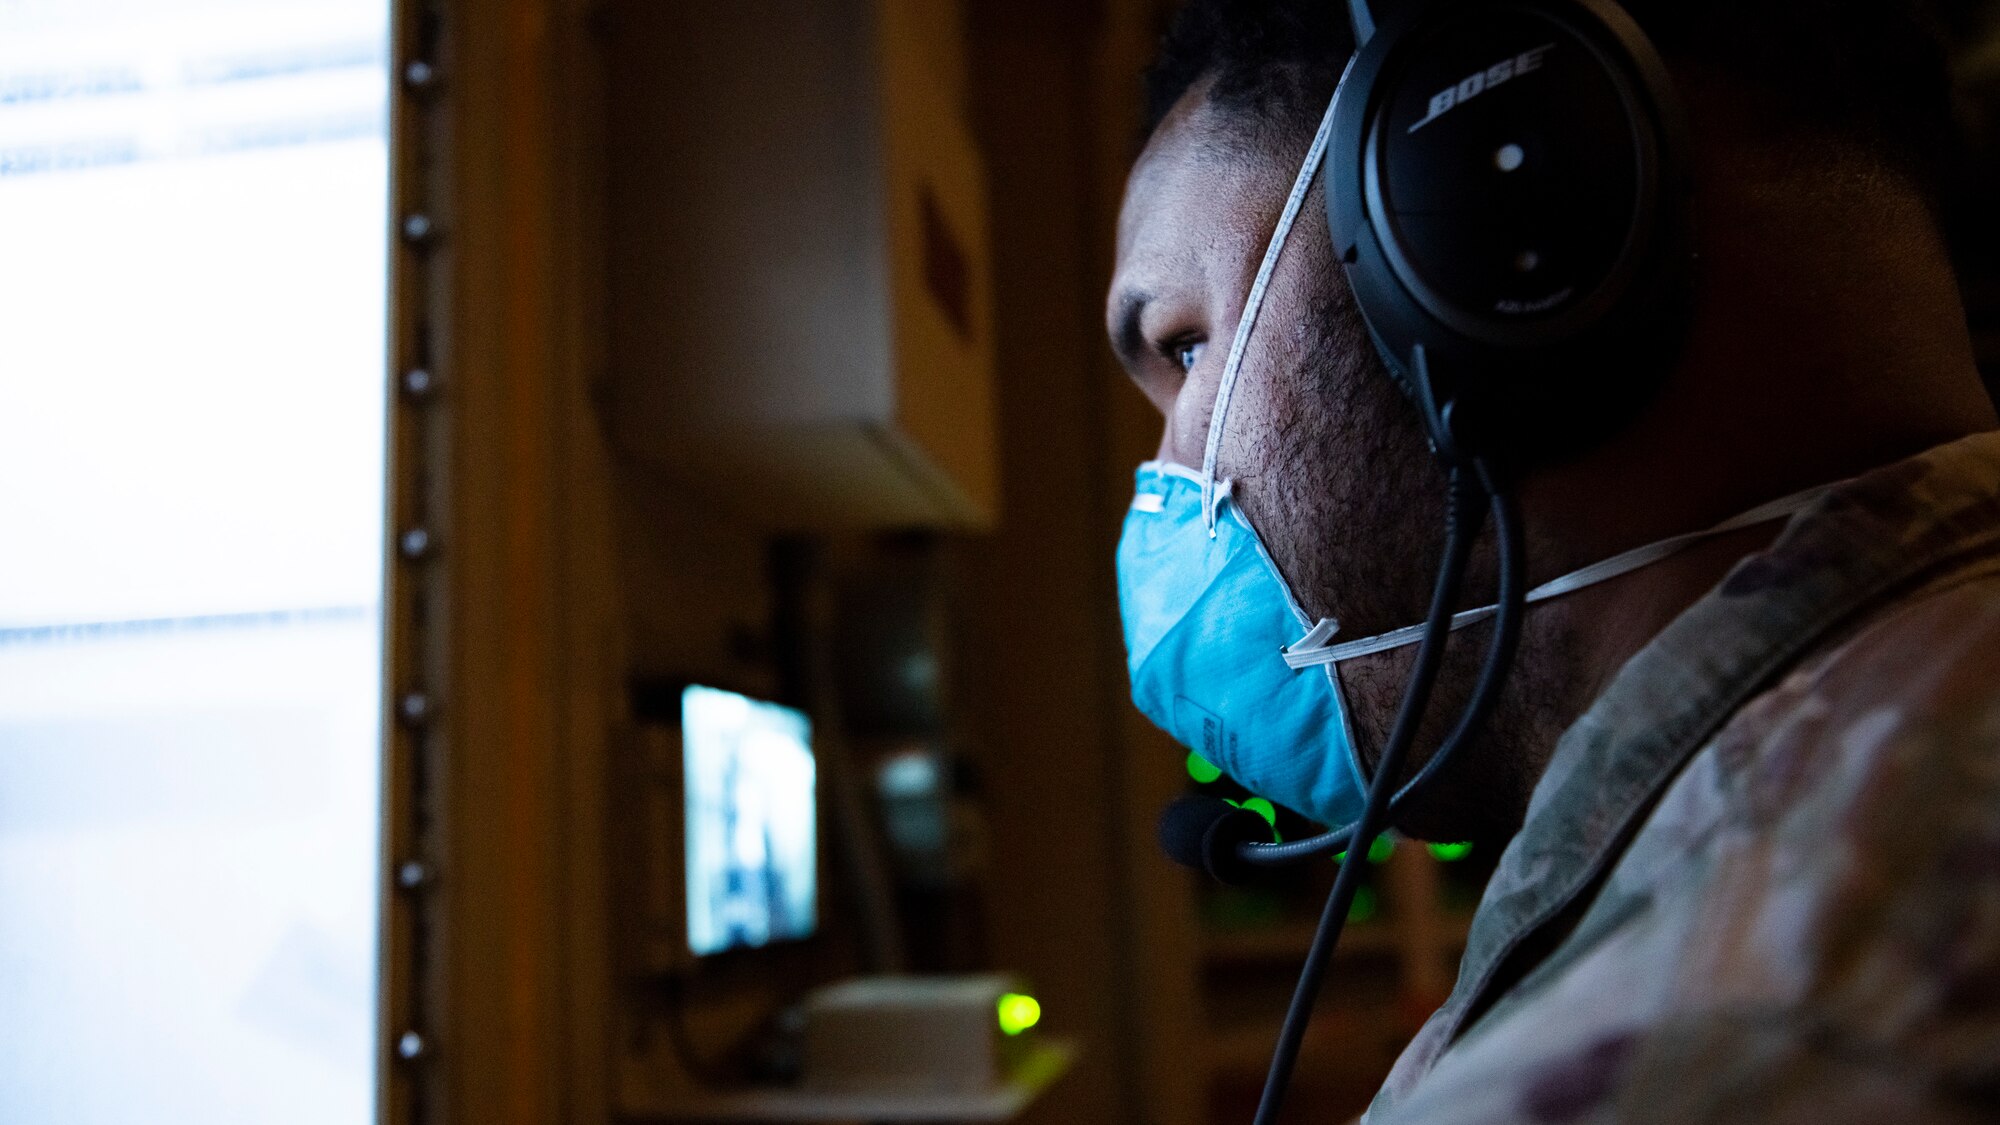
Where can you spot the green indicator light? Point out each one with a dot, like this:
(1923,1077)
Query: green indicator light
(1380,849)
(1201,769)
(1362,909)
(1449,853)
(1262,808)
(1018,1012)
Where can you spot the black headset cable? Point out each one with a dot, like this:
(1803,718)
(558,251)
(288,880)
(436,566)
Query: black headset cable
(1499,658)
(1380,809)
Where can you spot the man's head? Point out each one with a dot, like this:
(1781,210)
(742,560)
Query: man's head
(1328,460)
(1234,101)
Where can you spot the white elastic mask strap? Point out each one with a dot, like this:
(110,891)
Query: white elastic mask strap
(1312,649)
(1251,306)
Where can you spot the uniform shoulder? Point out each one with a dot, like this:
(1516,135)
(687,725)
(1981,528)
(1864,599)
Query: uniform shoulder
(1923,672)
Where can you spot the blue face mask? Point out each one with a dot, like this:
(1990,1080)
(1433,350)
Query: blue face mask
(1207,619)
(1213,646)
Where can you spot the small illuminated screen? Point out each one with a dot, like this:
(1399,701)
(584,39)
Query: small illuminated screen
(751,831)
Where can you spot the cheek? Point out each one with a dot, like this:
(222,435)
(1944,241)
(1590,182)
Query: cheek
(1284,360)
(1267,417)
(1280,446)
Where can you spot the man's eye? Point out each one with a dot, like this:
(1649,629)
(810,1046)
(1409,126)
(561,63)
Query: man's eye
(1189,353)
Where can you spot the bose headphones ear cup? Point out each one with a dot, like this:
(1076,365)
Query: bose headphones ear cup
(1507,188)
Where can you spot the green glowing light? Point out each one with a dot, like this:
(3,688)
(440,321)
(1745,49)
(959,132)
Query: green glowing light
(1019,1012)
(1378,852)
(1449,853)
(1262,808)
(1363,907)
(1201,769)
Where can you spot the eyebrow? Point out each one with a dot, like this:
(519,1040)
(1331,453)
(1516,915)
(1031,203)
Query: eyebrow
(1127,339)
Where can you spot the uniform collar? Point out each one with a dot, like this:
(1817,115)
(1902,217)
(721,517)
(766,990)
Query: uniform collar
(1864,542)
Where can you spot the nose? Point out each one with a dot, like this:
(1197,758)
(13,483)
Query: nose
(1184,435)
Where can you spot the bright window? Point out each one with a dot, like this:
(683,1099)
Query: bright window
(192,317)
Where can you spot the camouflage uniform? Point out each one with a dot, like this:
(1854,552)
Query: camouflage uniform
(1760,880)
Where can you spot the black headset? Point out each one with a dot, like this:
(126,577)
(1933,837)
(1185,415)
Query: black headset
(1508,188)
(1508,192)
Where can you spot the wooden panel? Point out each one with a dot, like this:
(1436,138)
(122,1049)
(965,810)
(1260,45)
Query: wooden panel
(939,258)
(1049,706)
(525,666)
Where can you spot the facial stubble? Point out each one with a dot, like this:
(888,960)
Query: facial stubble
(1339,471)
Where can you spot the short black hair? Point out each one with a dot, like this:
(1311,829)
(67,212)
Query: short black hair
(1872,72)
(1275,60)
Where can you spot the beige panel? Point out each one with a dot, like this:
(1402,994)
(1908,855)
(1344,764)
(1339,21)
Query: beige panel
(745,244)
(769,167)
(829,477)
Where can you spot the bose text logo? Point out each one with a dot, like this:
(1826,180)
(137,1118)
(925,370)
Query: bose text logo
(1477,83)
